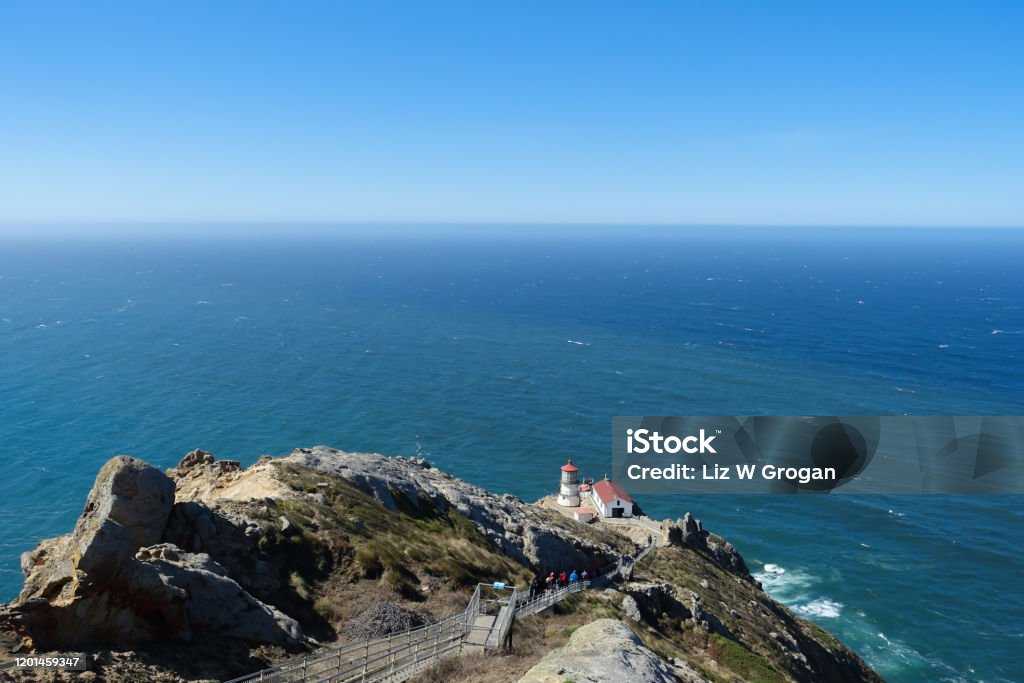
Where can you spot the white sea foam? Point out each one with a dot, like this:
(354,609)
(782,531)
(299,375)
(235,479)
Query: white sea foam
(787,586)
(795,588)
(822,608)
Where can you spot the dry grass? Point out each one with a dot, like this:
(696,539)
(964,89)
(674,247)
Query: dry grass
(365,553)
(532,638)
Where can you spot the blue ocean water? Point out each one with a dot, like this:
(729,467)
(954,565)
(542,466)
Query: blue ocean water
(496,356)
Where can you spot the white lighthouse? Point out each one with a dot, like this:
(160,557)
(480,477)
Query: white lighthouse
(569,489)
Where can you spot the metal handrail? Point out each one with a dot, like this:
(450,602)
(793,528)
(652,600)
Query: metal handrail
(398,655)
(499,630)
(350,653)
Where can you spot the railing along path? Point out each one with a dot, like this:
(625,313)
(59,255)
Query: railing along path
(400,656)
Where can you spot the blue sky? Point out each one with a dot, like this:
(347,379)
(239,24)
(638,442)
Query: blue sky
(859,113)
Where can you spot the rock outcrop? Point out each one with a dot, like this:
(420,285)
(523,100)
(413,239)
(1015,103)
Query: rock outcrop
(631,609)
(115,580)
(651,602)
(229,539)
(603,651)
(688,532)
(126,509)
(521,531)
(705,618)
(727,556)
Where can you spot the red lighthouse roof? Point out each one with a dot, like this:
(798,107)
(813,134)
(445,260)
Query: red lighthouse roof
(569,467)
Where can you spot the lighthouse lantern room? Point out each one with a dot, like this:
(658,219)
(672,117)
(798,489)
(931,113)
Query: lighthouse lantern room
(568,491)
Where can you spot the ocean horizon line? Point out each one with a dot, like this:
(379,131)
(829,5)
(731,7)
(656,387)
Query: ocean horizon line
(468,229)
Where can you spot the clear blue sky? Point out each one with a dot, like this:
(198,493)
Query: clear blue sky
(759,112)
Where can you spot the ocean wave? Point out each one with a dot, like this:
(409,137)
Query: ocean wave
(822,608)
(789,586)
(796,589)
(900,649)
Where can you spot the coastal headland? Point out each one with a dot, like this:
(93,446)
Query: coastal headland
(212,571)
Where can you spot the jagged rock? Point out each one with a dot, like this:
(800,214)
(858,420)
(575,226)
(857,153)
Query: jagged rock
(631,609)
(603,651)
(691,532)
(199,477)
(126,509)
(656,600)
(195,594)
(521,531)
(192,460)
(112,580)
(229,539)
(198,460)
(705,619)
(727,556)
(686,673)
(688,532)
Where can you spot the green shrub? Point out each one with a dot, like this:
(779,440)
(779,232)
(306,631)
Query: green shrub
(742,661)
(369,563)
(328,609)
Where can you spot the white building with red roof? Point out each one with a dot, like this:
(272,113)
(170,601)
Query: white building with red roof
(583,514)
(592,499)
(610,499)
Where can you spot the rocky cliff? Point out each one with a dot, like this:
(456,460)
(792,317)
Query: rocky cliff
(211,570)
(603,651)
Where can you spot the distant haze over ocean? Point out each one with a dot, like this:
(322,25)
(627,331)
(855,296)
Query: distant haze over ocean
(498,355)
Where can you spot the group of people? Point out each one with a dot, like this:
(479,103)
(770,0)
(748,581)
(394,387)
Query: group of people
(628,558)
(555,581)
